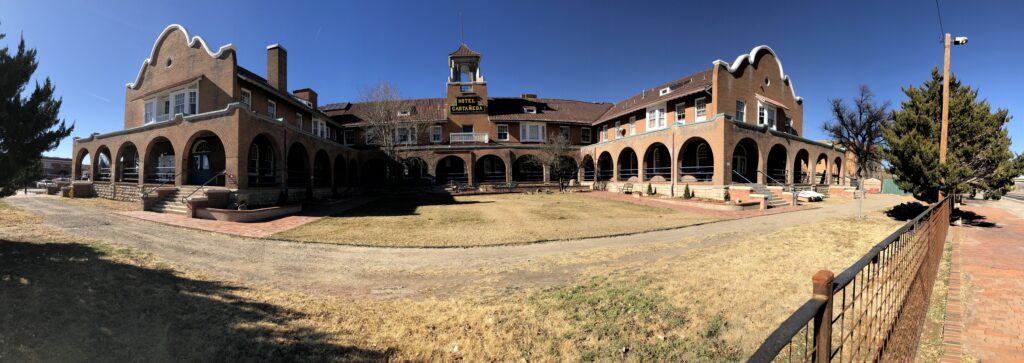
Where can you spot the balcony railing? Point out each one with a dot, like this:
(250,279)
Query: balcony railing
(468,138)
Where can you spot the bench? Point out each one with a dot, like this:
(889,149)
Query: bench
(626,188)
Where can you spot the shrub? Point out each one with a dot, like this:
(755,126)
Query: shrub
(686,192)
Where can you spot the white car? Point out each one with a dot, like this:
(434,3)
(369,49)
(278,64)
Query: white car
(810,196)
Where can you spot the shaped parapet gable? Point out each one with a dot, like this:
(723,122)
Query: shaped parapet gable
(754,79)
(178,63)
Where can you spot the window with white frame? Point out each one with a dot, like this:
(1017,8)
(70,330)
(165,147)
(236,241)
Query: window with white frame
(681,112)
(531,132)
(348,137)
(664,91)
(316,125)
(502,132)
(632,125)
(789,123)
(766,115)
(564,132)
(150,113)
(435,134)
(585,135)
(164,106)
(404,113)
(741,110)
(655,118)
(618,130)
(529,109)
(604,133)
(272,109)
(298,117)
(324,131)
(246,98)
(701,107)
(405,135)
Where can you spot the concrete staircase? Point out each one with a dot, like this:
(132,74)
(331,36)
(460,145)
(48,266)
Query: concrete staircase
(171,203)
(773,200)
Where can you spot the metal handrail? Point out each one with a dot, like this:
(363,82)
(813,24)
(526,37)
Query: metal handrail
(770,177)
(184,200)
(145,192)
(741,176)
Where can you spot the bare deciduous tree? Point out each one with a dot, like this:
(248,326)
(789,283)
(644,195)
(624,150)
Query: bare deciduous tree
(385,129)
(556,154)
(859,129)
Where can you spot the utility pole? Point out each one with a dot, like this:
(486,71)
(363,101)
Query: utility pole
(945,109)
(945,100)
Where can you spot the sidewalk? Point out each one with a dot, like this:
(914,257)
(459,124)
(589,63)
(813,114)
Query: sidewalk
(990,259)
(262,229)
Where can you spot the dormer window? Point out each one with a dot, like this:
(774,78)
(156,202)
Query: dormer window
(664,91)
(404,113)
(529,109)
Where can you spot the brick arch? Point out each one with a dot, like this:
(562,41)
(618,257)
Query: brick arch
(267,172)
(820,167)
(197,171)
(744,167)
(627,165)
(128,163)
(605,166)
(696,160)
(321,169)
(82,155)
(153,172)
(447,169)
(102,170)
(776,164)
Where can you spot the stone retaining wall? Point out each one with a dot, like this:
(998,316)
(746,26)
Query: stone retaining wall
(119,192)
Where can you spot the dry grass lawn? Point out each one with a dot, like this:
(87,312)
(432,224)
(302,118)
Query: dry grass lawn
(84,300)
(487,220)
(104,203)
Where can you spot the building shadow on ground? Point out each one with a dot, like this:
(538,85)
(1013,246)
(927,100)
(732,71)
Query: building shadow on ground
(63,302)
(396,205)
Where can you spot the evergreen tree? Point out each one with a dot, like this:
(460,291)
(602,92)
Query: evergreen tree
(28,126)
(978,144)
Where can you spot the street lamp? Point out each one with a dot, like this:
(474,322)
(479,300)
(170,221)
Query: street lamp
(945,99)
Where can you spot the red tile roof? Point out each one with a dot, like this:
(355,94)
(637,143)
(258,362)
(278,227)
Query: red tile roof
(688,85)
(464,51)
(421,110)
(550,110)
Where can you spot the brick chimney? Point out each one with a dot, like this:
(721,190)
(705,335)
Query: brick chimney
(306,94)
(277,67)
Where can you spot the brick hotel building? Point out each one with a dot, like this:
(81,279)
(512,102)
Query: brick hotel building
(194,116)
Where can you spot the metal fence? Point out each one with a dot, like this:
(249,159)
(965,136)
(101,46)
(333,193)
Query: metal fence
(872,311)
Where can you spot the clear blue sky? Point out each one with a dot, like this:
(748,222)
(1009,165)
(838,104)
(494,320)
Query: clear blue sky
(585,50)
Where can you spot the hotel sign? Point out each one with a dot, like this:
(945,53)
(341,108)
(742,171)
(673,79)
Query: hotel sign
(467,105)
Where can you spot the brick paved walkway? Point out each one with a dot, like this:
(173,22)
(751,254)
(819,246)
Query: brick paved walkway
(990,259)
(683,207)
(256,229)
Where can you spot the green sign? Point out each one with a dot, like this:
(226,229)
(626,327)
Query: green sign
(467,105)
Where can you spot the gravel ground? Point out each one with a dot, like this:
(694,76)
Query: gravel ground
(368,272)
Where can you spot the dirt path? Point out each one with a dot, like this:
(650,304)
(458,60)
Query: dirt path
(398,272)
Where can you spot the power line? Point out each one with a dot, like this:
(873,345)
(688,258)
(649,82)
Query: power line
(942,31)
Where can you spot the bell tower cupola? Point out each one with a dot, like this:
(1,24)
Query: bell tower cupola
(465,79)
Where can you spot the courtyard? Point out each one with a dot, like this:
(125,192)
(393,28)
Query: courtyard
(483,220)
(703,293)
